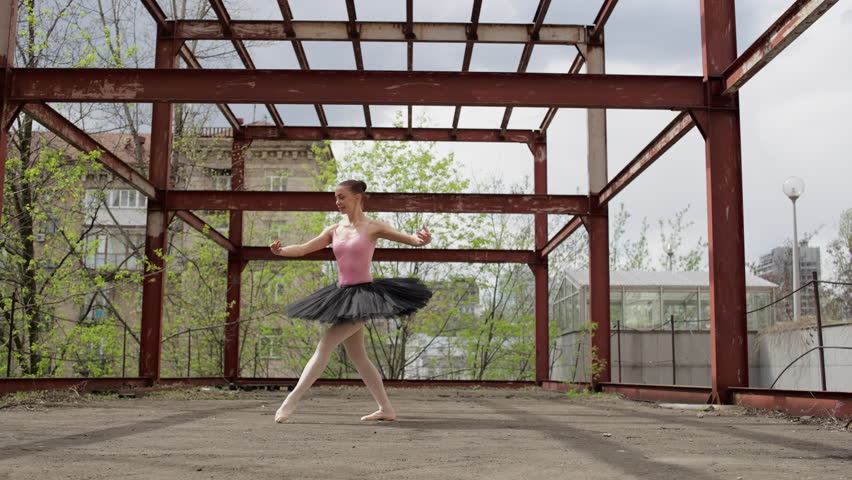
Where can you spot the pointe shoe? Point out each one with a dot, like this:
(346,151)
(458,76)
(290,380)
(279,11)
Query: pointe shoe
(379,415)
(282,414)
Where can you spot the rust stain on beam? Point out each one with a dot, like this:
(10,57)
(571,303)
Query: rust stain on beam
(354,87)
(792,23)
(378,202)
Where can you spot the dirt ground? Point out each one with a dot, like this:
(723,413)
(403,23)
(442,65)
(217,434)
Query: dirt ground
(453,433)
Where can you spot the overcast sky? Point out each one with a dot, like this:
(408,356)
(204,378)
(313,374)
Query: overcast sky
(795,113)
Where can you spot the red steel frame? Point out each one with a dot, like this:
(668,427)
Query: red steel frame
(708,102)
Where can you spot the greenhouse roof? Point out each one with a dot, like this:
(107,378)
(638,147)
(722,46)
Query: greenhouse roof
(660,279)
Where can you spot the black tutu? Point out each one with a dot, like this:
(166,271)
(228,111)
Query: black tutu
(382,298)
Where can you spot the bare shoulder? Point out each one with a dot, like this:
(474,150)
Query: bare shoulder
(329,230)
(378,226)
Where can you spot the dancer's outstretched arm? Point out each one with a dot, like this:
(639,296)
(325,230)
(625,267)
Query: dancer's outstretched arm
(419,239)
(321,241)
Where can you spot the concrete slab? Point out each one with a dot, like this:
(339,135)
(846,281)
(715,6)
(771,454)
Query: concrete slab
(440,432)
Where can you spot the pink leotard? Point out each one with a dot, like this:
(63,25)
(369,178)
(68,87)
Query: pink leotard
(353,258)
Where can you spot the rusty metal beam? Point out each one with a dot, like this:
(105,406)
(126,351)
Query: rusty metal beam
(542,320)
(659,393)
(378,202)
(106,384)
(405,255)
(562,235)
(197,223)
(353,87)
(258,381)
(796,402)
(239,148)
(70,133)
(345,31)
(389,134)
(156,225)
(670,135)
(792,23)
(8,109)
(728,326)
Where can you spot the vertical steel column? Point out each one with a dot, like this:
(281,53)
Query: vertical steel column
(156,238)
(235,265)
(542,303)
(8,29)
(729,344)
(598,226)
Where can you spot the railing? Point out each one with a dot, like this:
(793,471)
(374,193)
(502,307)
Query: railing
(671,324)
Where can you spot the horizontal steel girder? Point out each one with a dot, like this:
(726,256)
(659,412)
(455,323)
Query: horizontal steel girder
(377,202)
(406,255)
(357,87)
(318,31)
(389,134)
(796,402)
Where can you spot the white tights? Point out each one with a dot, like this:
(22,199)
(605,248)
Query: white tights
(351,335)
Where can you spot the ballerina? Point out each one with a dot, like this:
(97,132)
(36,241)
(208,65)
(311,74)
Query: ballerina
(355,297)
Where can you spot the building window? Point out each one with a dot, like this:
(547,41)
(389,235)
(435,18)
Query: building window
(221,178)
(222,182)
(108,248)
(277,183)
(98,310)
(117,198)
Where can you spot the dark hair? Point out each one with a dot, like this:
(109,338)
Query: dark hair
(355,186)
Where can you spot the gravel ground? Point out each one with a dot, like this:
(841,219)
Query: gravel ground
(454,433)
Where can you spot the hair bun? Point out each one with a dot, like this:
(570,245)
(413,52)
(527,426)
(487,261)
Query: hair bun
(356,186)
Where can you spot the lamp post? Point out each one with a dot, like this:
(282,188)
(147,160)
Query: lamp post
(669,249)
(794,187)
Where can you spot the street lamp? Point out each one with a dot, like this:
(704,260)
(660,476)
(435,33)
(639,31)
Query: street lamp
(669,249)
(794,187)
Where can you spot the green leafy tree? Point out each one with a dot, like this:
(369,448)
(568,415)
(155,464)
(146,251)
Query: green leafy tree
(839,300)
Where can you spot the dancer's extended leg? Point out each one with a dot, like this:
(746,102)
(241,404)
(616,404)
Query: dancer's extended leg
(315,366)
(358,354)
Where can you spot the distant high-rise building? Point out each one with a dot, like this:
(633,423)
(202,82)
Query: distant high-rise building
(777,267)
